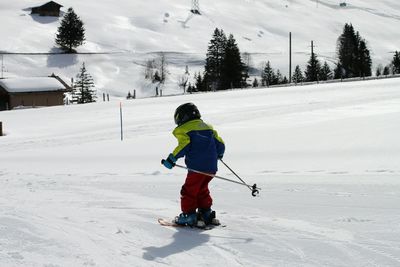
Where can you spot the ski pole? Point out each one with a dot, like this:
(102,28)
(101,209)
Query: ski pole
(253,189)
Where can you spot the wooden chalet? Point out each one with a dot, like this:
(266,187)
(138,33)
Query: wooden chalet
(49,9)
(32,92)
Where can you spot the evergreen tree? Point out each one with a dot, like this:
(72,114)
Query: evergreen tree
(364,60)
(214,60)
(199,83)
(268,76)
(83,91)
(396,63)
(313,69)
(353,54)
(347,51)
(297,76)
(339,72)
(191,89)
(379,70)
(232,67)
(278,77)
(70,33)
(325,72)
(386,70)
(255,83)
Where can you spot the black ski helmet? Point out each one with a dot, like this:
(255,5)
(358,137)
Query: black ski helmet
(186,112)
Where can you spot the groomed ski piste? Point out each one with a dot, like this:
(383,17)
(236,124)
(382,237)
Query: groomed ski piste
(326,157)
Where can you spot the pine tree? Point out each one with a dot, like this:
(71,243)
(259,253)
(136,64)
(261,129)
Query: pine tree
(214,59)
(255,83)
(232,67)
(386,70)
(353,54)
(191,88)
(83,91)
(364,60)
(325,72)
(347,51)
(379,70)
(278,77)
(297,76)
(71,32)
(396,63)
(313,69)
(268,76)
(199,83)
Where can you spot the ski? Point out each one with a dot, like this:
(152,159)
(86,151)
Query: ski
(171,223)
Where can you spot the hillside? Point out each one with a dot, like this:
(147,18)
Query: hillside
(326,158)
(132,31)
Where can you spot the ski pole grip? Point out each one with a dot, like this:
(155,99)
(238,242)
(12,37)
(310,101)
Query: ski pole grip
(172,163)
(254,191)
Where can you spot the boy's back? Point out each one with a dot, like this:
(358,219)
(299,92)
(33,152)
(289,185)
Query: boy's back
(200,144)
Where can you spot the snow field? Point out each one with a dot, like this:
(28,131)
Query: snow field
(326,158)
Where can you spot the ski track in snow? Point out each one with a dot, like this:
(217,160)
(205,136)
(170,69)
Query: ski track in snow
(99,224)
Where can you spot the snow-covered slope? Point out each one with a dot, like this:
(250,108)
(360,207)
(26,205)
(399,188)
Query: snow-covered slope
(326,158)
(136,29)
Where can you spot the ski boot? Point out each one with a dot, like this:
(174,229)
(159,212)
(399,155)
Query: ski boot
(207,216)
(187,219)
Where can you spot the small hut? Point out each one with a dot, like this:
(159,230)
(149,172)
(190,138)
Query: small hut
(49,9)
(32,92)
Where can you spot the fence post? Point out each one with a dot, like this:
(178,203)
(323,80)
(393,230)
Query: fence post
(1,128)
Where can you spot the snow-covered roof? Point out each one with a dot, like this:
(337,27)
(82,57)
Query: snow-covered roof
(51,3)
(31,84)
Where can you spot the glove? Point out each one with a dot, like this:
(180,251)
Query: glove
(169,162)
(220,156)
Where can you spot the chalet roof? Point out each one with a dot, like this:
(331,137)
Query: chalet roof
(51,3)
(31,84)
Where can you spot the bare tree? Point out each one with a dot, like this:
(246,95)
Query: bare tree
(149,69)
(162,68)
(183,80)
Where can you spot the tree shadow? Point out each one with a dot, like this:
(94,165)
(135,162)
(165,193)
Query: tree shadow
(184,240)
(58,59)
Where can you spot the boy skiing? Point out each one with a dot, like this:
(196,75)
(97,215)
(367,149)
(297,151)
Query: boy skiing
(201,146)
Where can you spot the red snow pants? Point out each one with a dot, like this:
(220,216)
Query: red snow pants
(195,193)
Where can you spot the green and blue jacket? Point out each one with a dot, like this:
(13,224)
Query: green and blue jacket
(200,144)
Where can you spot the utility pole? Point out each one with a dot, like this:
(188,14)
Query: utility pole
(312,48)
(290,57)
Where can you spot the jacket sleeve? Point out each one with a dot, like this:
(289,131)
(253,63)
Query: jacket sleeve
(183,143)
(220,145)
